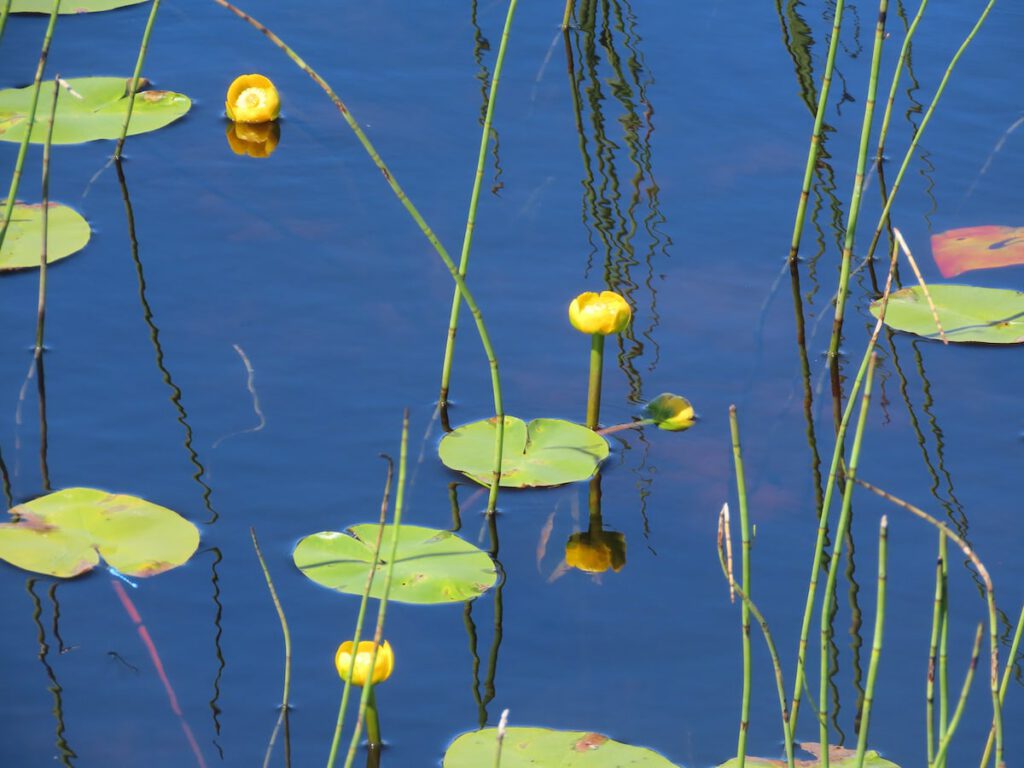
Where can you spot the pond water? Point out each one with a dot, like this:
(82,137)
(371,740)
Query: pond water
(665,164)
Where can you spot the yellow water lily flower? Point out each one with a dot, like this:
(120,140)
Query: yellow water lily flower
(604,313)
(364,654)
(673,413)
(596,551)
(253,139)
(252,99)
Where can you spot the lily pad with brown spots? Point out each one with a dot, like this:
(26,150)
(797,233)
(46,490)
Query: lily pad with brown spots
(546,748)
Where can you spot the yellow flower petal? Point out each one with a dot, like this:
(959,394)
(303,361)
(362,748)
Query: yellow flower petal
(364,654)
(604,313)
(252,99)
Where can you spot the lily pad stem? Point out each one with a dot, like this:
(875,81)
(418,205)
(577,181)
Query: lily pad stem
(372,719)
(594,387)
(41,307)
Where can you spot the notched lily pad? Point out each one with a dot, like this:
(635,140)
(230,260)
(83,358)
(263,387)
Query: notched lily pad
(967,313)
(96,112)
(431,565)
(546,748)
(839,757)
(66,533)
(69,6)
(543,453)
(67,233)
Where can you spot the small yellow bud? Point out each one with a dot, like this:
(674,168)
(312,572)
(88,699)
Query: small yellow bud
(672,413)
(604,313)
(252,99)
(364,655)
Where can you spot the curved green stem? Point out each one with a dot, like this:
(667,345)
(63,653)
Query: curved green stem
(858,187)
(485,339)
(12,192)
(594,384)
(940,758)
(1010,660)
(819,121)
(4,13)
(467,240)
(134,86)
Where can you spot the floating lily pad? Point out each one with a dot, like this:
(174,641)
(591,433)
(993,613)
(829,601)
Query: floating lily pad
(542,453)
(839,757)
(986,315)
(431,566)
(984,247)
(66,533)
(69,6)
(545,748)
(673,413)
(68,232)
(98,114)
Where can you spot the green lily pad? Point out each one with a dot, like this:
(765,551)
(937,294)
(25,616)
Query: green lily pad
(543,453)
(545,748)
(431,566)
(66,533)
(98,114)
(67,233)
(840,757)
(673,413)
(69,6)
(967,313)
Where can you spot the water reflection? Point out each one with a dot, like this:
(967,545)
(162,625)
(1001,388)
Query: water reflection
(596,550)
(64,751)
(621,223)
(257,140)
(482,45)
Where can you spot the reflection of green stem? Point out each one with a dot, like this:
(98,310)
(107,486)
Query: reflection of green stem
(47,146)
(833,564)
(467,241)
(346,691)
(819,120)
(485,339)
(940,757)
(858,188)
(924,124)
(594,386)
(133,87)
(372,718)
(1010,661)
(389,573)
(741,490)
(287,648)
(12,192)
(876,644)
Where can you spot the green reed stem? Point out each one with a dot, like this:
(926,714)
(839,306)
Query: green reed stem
(741,491)
(343,706)
(1010,660)
(372,717)
(485,339)
(287,645)
(594,384)
(134,86)
(566,17)
(876,643)
(45,237)
(823,514)
(819,120)
(944,645)
(940,758)
(12,192)
(388,577)
(4,13)
(780,684)
(990,599)
(467,240)
(897,73)
(924,124)
(833,563)
(938,618)
(858,184)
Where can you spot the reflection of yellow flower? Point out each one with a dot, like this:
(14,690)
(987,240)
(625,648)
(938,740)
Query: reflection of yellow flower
(364,655)
(603,313)
(252,99)
(253,139)
(596,551)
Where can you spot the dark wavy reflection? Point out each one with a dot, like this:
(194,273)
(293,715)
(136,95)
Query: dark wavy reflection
(481,45)
(64,751)
(609,79)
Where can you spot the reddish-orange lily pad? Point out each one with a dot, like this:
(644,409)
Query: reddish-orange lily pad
(985,247)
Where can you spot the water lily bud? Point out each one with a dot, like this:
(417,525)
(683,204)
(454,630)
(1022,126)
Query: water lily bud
(671,412)
(364,654)
(252,99)
(253,139)
(596,551)
(604,313)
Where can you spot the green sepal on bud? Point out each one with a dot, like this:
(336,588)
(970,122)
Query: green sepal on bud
(673,413)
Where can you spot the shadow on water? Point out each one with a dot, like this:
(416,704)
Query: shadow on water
(603,49)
